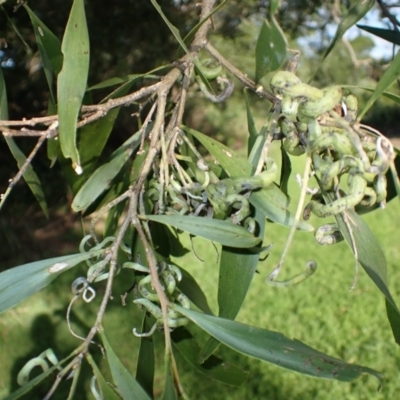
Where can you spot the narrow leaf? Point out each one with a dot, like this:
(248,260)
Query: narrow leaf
(389,95)
(393,180)
(251,126)
(189,37)
(29,176)
(178,38)
(234,165)
(224,232)
(16,30)
(106,391)
(274,6)
(169,388)
(72,80)
(214,367)
(370,255)
(369,251)
(145,361)
(18,283)
(193,291)
(392,36)
(391,74)
(393,317)
(92,140)
(131,78)
(126,384)
(277,349)
(286,171)
(236,271)
(272,203)
(101,179)
(49,48)
(354,14)
(270,48)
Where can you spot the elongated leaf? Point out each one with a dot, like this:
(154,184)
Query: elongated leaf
(145,361)
(189,37)
(372,259)
(390,35)
(179,39)
(18,283)
(393,180)
(15,28)
(214,367)
(126,384)
(354,14)
(169,387)
(286,171)
(270,48)
(193,291)
(72,80)
(101,179)
(393,317)
(106,390)
(391,96)
(271,201)
(92,140)
(115,81)
(223,232)
(236,271)
(29,176)
(251,127)
(235,166)
(49,48)
(277,349)
(369,252)
(391,74)
(274,6)
(128,78)
(171,27)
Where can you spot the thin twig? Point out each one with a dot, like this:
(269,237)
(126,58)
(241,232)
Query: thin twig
(244,79)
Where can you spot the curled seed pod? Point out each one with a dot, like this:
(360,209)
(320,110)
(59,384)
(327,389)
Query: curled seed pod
(176,271)
(315,108)
(290,106)
(153,309)
(357,185)
(202,165)
(350,107)
(282,80)
(88,298)
(79,285)
(328,234)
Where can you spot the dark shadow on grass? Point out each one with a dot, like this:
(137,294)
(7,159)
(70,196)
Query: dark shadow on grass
(42,337)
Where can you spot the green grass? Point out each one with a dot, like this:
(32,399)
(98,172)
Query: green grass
(321,312)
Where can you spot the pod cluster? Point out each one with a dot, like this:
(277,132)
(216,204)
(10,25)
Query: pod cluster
(323,124)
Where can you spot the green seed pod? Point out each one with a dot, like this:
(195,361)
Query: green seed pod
(313,109)
(351,106)
(328,234)
(289,106)
(283,80)
(153,309)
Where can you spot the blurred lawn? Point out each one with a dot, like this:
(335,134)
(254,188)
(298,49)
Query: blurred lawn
(321,312)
